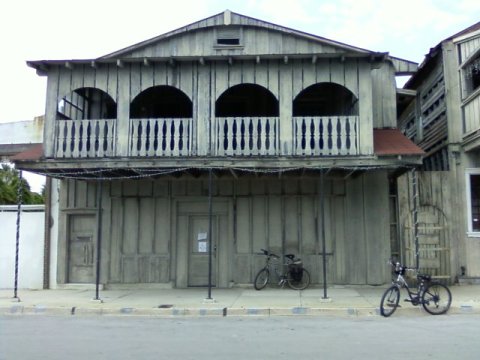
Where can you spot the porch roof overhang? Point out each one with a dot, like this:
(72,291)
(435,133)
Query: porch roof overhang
(392,151)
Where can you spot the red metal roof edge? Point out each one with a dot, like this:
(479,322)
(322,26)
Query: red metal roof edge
(393,142)
(35,152)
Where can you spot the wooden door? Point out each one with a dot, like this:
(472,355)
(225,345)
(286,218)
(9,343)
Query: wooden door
(199,241)
(81,249)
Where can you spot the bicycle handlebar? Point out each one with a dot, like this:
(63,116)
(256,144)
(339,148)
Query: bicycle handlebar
(267,253)
(399,268)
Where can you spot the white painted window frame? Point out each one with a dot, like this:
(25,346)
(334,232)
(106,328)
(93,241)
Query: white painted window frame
(468,174)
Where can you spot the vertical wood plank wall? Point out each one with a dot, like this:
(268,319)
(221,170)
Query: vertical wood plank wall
(440,222)
(281,214)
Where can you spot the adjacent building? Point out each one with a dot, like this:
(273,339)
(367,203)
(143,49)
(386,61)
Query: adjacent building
(440,111)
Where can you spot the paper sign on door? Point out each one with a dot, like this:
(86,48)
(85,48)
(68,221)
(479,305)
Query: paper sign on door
(202,242)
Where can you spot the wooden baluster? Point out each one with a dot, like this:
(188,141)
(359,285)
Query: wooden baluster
(96,132)
(329,136)
(163,147)
(242,134)
(68,138)
(311,138)
(356,136)
(342,120)
(63,139)
(140,135)
(298,136)
(321,136)
(156,138)
(176,137)
(252,136)
(146,137)
(133,135)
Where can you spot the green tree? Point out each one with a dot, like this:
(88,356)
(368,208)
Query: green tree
(9,183)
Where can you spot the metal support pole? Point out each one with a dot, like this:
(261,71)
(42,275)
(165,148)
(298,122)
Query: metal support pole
(210,242)
(415,217)
(99,238)
(17,240)
(324,247)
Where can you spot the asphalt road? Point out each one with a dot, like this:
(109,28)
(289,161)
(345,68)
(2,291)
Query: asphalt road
(101,337)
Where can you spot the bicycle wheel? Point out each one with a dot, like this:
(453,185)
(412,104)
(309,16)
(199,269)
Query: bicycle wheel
(297,283)
(261,279)
(436,299)
(389,302)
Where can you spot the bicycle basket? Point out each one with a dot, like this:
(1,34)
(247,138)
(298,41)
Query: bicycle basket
(296,270)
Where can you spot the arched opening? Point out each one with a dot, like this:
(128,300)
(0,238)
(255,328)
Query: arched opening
(325,99)
(246,100)
(161,102)
(86,103)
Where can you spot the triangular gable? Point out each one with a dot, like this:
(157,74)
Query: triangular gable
(262,40)
(228,18)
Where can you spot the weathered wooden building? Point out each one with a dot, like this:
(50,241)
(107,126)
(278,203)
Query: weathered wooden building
(298,132)
(441,112)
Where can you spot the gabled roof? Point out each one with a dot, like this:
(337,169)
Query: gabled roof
(134,52)
(231,18)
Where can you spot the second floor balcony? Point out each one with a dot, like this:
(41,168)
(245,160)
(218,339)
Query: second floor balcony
(324,121)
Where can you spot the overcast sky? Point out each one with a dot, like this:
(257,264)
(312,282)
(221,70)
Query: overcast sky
(65,29)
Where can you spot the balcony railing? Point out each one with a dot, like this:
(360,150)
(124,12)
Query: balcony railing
(326,136)
(84,138)
(230,136)
(160,137)
(246,136)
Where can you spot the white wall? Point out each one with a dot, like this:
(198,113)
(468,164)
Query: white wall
(31,246)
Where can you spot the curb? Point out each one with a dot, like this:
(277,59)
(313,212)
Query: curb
(16,309)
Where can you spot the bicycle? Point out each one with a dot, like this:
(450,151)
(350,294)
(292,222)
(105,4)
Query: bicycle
(295,276)
(435,297)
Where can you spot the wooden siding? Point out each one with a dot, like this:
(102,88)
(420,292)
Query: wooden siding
(471,115)
(438,214)
(141,243)
(468,48)
(253,41)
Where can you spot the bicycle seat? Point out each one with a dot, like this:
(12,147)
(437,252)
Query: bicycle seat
(290,256)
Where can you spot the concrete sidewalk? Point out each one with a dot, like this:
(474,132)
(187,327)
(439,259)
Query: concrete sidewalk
(341,301)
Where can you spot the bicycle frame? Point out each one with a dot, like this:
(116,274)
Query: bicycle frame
(273,263)
(400,282)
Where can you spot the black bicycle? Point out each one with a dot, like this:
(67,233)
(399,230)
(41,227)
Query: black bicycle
(435,298)
(294,274)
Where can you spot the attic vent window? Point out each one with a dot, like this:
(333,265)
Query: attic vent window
(228,37)
(221,41)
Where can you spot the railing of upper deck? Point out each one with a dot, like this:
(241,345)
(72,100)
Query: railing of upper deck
(160,137)
(326,136)
(84,138)
(230,136)
(246,136)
